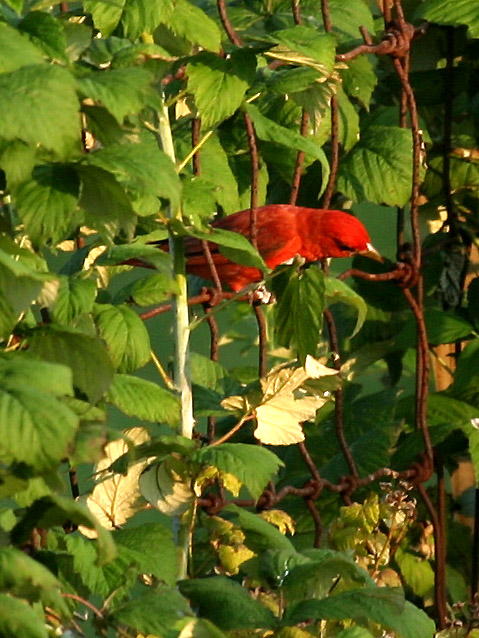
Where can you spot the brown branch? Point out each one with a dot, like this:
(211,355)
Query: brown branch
(309,461)
(328,194)
(318,523)
(253,149)
(447,147)
(439,567)
(296,12)
(81,600)
(299,161)
(422,373)
(227,26)
(263,339)
(339,404)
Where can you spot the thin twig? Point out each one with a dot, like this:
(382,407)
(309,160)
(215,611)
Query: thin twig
(253,149)
(439,571)
(299,161)
(232,35)
(234,429)
(338,408)
(447,133)
(81,600)
(263,339)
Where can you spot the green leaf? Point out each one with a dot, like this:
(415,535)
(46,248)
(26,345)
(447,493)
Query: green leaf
(75,296)
(190,22)
(270,131)
(121,91)
(29,99)
(86,356)
(348,121)
(198,199)
(233,609)
(345,18)
(153,290)
(46,377)
(458,13)
(52,511)
(140,16)
(466,381)
(143,399)
(233,245)
(254,466)
(383,605)
(158,611)
(46,32)
(19,287)
(35,427)
(359,80)
(417,572)
(379,167)
(338,291)
(16,50)
(214,163)
(149,253)
(106,14)
(107,207)
(152,546)
(219,84)
(19,620)
(259,534)
(142,166)
(47,202)
(22,576)
(303,45)
(101,580)
(17,161)
(371,450)
(442,327)
(125,335)
(319,569)
(299,315)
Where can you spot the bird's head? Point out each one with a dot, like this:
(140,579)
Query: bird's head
(344,235)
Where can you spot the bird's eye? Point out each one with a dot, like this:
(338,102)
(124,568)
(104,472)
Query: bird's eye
(345,247)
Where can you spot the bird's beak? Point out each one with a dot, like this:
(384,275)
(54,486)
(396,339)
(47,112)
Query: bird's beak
(372,253)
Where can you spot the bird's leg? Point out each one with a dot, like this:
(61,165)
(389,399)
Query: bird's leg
(262,295)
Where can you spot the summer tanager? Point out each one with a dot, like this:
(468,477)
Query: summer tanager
(283,231)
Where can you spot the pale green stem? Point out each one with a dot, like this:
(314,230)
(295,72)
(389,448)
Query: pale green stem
(182,332)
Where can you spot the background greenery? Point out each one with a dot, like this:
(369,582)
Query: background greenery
(100,493)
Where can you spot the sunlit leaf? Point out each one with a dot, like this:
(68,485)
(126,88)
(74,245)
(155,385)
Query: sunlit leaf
(116,497)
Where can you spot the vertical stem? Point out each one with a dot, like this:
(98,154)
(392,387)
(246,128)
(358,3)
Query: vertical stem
(182,334)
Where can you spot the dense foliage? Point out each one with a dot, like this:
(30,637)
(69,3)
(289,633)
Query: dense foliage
(127,122)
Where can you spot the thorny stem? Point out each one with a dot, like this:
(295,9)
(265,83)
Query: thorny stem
(182,333)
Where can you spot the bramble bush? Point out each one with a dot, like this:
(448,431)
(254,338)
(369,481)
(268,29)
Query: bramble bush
(150,487)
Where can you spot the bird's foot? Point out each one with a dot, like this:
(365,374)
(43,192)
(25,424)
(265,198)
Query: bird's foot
(261,295)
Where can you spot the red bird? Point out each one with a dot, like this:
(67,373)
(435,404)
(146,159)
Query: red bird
(283,231)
